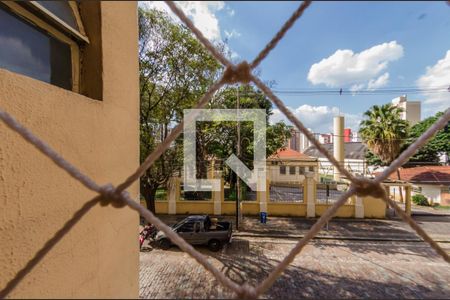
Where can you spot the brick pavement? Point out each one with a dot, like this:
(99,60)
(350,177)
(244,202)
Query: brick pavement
(325,269)
(341,267)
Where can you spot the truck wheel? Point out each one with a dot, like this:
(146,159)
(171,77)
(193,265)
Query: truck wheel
(165,244)
(214,245)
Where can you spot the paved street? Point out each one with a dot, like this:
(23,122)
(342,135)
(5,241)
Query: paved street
(437,226)
(344,269)
(341,267)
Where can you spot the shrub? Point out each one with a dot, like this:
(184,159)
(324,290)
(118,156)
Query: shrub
(420,199)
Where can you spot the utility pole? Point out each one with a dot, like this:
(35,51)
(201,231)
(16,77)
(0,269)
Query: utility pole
(238,148)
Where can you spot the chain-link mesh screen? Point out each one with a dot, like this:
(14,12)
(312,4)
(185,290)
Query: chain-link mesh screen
(239,73)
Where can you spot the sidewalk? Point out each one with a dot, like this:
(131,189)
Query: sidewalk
(382,230)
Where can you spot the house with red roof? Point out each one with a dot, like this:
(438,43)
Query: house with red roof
(290,166)
(431,181)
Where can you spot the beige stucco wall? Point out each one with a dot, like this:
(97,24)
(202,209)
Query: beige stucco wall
(432,192)
(374,207)
(99,257)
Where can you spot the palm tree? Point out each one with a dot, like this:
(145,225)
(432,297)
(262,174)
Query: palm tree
(384,132)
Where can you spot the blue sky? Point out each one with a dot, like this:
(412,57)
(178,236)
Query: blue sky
(356,46)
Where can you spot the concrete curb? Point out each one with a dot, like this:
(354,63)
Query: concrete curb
(424,214)
(330,237)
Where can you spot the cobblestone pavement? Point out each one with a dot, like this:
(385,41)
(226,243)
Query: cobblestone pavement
(325,269)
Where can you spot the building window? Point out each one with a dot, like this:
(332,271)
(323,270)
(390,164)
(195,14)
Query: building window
(41,39)
(62,10)
(292,170)
(417,189)
(301,170)
(283,170)
(311,169)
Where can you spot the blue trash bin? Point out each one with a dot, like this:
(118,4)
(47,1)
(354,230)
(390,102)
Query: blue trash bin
(263,217)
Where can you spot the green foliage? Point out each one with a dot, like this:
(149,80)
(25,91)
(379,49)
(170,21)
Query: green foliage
(420,199)
(373,160)
(384,131)
(220,138)
(161,194)
(175,71)
(430,151)
(276,136)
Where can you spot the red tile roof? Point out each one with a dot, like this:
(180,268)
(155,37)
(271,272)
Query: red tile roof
(425,174)
(290,154)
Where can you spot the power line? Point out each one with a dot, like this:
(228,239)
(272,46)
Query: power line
(324,92)
(390,88)
(316,134)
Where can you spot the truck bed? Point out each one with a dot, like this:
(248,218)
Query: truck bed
(222,226)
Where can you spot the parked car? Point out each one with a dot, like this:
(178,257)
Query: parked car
(199,230)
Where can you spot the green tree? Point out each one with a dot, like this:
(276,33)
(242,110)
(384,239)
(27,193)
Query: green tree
(373,160)
(384,132)
(219,139)
(175,71)
(429,153)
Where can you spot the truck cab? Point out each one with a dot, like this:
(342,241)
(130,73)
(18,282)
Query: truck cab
(198,230)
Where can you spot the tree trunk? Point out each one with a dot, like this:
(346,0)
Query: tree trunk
(233,179)
(201,162)
(149,193)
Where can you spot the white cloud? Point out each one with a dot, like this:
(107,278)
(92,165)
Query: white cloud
(379,82)
(356,88)
(231,34)
(318,118)
(437,76)
(344,67)
(202,14)
(230,11)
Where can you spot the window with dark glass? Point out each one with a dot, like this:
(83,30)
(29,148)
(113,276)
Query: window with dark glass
(301,170)
(292,170)
(29,51)
(283,170)
(62,10)
(188,227)
(41,39)
(311,169)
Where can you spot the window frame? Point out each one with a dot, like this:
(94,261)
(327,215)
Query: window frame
(417,189)
(284,170)
(290,170)
(301,170)
(34,20)
(79,34)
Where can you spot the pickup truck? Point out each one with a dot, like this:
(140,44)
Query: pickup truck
(198,230)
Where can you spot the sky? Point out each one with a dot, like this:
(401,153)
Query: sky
(373,51)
